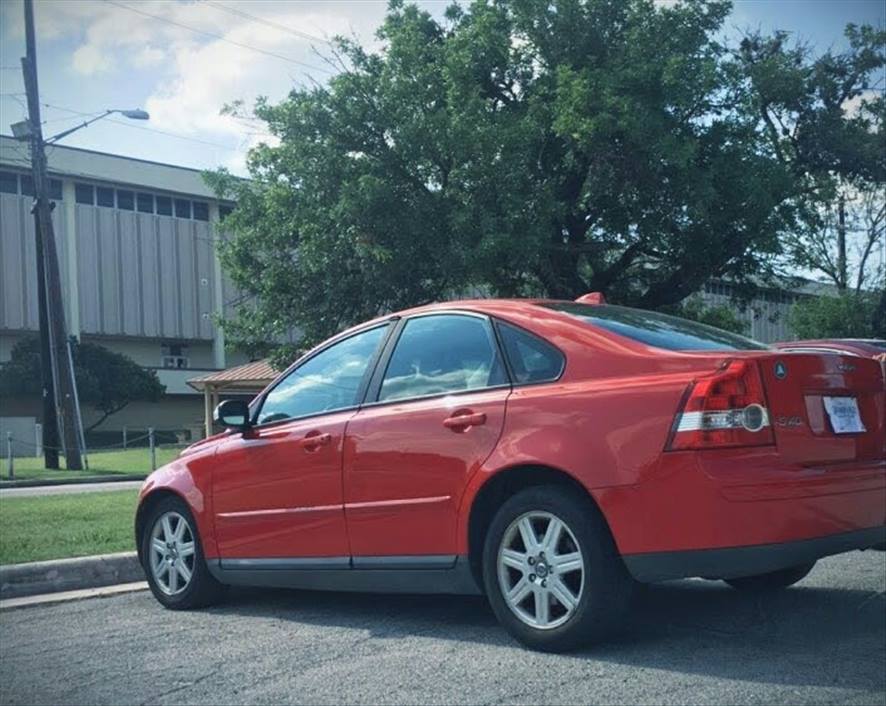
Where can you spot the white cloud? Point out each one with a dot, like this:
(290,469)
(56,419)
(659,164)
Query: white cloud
(90,60)
(852,106)
(190,75)
(148,56)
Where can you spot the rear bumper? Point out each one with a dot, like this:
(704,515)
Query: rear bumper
(732,562)
(692,503)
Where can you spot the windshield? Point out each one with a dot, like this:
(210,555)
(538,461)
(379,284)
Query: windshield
(660,330)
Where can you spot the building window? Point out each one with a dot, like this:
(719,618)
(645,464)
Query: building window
(8,183)
(125,200)
(104,196)
(164,206)
(83,193)
(145,203)
(27,185)
(174,355)
(201,211)
(182,208)
(225,211)
(55,189)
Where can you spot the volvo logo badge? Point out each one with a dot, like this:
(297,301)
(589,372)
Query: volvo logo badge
(781,370)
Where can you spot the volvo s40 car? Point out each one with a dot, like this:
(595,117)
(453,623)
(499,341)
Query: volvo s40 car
(549,454)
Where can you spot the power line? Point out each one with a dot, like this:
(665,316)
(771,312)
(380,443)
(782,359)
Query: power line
(219,37)
(268,23)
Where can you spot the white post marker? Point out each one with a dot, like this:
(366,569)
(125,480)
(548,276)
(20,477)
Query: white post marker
(10,464)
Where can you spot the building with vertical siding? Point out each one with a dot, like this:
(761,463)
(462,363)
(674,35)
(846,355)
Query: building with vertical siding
(139,271)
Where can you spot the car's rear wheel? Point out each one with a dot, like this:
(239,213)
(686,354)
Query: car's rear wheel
(173,558)
(551,570)
(773,581)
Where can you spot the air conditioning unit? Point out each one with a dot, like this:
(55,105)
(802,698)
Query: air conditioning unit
(175,361)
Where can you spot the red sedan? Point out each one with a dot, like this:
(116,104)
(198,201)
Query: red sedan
(549,454)
(865,347)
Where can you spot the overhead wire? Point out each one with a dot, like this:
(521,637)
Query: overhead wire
(220,37)
(266,22)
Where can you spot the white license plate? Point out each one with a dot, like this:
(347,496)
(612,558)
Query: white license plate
(844,415)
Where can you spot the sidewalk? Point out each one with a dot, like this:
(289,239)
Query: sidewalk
(59,489)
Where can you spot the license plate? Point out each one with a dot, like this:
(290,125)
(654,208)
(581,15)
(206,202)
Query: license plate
(844,415)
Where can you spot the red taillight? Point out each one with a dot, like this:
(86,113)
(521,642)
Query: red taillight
(724,409)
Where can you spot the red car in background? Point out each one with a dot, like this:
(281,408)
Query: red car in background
(864,347)
(549,454)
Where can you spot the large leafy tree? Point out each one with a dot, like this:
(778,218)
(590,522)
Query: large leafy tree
(528,147)
(106,380)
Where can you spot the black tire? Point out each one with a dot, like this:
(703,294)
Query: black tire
(203,589)
(605,597)
(773,581)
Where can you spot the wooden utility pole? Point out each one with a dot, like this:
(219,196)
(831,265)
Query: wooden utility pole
(53,332)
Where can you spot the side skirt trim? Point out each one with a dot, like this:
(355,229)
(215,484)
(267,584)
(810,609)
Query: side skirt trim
(424,574)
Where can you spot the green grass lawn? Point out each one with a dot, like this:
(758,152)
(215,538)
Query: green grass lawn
(131,461)
(58,526)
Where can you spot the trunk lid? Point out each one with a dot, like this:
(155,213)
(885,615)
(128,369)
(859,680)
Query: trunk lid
(809,398)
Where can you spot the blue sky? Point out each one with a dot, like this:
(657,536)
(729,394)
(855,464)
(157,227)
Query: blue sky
(182,60)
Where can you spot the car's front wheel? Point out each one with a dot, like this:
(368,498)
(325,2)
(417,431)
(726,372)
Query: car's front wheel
(173,558)
(551,570)
(773,581)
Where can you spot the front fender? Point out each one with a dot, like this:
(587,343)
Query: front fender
(189,477)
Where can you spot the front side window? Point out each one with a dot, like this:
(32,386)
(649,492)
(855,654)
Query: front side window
(532,359)
(327,382)
(442,354)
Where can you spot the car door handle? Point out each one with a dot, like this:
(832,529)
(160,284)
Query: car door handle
(461,421)
(313,442)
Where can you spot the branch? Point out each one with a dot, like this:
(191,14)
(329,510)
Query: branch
(104,416)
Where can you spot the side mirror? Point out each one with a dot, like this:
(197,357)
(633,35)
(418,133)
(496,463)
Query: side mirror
(233,414)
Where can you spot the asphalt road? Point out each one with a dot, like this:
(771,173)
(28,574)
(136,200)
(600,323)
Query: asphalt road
(823,641)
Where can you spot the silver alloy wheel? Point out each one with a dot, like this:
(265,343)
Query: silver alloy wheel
(172,553)
(540,570)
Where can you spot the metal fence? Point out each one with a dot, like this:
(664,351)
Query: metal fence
(147,442)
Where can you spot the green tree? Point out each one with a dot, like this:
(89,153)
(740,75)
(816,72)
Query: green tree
(527,147)
(722,317)
(106,380)
(850,315)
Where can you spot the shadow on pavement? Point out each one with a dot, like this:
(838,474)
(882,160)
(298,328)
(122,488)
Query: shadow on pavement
(803,636)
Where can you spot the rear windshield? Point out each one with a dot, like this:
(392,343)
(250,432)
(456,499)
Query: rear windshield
(660,330)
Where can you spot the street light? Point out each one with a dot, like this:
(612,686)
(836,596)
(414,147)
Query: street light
(136,114)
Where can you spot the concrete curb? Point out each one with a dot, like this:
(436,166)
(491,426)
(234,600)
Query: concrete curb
(69,574)
(36,483)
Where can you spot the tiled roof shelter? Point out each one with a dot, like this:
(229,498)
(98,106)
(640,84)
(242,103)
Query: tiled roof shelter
(250,378)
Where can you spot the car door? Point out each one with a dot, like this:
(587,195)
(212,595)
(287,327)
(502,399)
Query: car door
(434,413)
(277,487)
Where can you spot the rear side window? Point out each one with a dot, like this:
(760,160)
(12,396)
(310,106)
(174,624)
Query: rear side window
(531,358)
(440,354)
(660,330)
